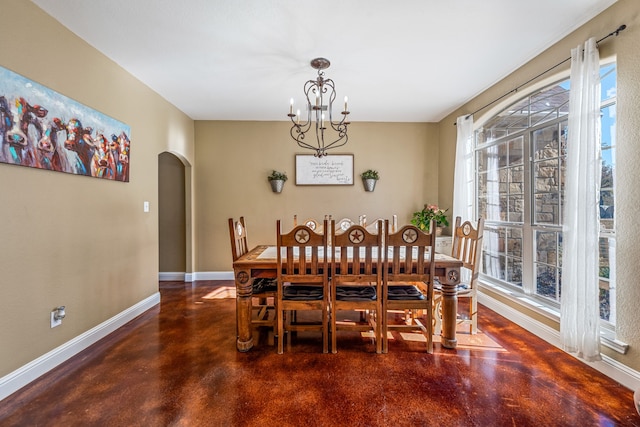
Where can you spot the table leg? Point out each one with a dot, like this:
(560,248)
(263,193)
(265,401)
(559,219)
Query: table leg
(244,293)
(450,307)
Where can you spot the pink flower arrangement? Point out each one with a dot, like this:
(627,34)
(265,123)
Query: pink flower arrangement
(422,219)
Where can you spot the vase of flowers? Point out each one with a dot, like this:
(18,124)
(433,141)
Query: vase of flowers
(422,219)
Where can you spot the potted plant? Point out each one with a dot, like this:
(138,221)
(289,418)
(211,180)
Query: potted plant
(369,178)
(422,219)
(277,180)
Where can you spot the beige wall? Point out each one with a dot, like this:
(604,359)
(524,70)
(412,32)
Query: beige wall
(625,49)
(233,160)
(72,240)
(171,214)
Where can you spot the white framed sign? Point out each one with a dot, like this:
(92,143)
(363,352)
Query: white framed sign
(332,169)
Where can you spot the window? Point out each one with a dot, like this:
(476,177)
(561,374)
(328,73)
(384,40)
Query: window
(520,159)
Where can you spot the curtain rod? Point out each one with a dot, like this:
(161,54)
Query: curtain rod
(613,33)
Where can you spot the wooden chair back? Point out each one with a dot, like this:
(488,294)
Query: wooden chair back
(304,257)
(372,227)
(467,245)
(376,226)
(410,254)
(342,225)
(356,255)
(238,237)
(313,224)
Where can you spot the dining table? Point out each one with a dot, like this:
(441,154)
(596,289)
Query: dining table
(261,262)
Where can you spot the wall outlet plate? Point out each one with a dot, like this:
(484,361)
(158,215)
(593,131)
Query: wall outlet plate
(55,322)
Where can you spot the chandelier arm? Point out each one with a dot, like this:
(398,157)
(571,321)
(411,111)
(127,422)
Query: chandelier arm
(299,138)
(298,132)
(300,128)
(337,143)
(336,125)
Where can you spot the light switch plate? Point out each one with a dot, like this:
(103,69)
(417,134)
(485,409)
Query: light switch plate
(145,206)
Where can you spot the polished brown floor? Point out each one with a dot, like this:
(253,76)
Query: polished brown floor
(176,365)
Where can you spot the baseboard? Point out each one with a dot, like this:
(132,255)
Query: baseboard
(22,376)
(190,277)
(168,276)
(610,367)
(213,275)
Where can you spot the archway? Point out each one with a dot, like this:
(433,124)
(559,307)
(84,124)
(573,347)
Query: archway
(174,217)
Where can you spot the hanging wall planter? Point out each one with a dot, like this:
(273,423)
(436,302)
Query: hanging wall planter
(277,180)
(369,179)
(369,184)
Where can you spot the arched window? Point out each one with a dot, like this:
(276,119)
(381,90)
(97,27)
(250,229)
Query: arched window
(520,159)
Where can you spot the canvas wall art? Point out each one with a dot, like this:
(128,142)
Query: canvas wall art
(43,129)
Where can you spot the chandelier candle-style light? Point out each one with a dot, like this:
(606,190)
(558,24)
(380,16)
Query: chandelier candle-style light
(317,92)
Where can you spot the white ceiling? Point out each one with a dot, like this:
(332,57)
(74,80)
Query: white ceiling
(405,61)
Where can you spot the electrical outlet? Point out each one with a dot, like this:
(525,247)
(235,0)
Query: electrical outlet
(55,322)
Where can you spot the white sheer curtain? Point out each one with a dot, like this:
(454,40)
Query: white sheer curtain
(580,316)
(463,175)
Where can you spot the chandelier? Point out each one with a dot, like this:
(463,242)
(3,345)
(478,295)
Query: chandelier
(319,115)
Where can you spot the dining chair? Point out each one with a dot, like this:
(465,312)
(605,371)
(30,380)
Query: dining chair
(315,225)
(238,237)
(263,289)
(467,247)
(356,282)
(303,281)
(373,226)
(407,285)
(342,225)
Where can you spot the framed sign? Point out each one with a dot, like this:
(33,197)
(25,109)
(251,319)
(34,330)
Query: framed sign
(333,169)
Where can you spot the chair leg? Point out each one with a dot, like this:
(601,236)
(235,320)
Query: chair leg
(473,304)
(289,318)
(280,322)
(276,332)
(325,330)
(378,331)
(334,330)
(429,330)
(385,336)
(437,316)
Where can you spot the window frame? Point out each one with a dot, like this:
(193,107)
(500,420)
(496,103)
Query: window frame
(528,226)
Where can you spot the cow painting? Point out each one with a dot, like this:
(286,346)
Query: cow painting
(43,129)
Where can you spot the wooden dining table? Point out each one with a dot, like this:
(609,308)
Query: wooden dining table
(261,262)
